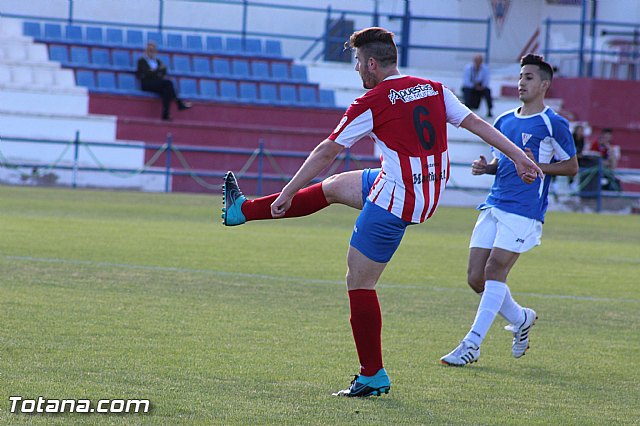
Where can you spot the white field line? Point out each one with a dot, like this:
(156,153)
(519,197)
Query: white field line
(292,279)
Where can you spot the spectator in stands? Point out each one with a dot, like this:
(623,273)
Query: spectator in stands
(578,138)
(152,72)
(610,155)
(475,85)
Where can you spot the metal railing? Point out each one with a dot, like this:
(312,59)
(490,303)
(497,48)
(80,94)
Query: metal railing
(595,45)
(589,178)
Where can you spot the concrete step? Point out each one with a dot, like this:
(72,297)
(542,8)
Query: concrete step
(23,49)
(41,76)
(465,151)
(10,27)
(72,101)
(50,126)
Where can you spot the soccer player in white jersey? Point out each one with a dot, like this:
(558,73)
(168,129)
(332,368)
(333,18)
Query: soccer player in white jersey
(406,117)
(510,220)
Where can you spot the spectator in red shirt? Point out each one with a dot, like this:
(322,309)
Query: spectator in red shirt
(610,155)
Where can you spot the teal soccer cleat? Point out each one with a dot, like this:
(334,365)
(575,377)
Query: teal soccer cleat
(232,200)
(362,386)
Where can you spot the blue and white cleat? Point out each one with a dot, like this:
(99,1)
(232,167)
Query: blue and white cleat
(521,333)
(362,386)
(232,200)
(463,354)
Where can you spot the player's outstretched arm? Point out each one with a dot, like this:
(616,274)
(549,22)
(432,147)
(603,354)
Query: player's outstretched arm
(318,160)
(527,168)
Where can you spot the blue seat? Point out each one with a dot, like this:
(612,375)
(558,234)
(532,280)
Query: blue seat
(273,48)
(174,41)
(288,94)
(181,64)
(94,35)
(234,45)
(80,56)
(121,58)
(268,93)
(85,79)
(155,37)
(260,70)
(299,73)
(52,31)
(165,58)
(100,57)
(106,80)
(59,53)
(308,95)
(228,90)
(194,43)
(188,87)
(73,33)
(248,92)
(280,71)
(208,89)
(240,67)
(327,98)
(201,65)
(214,44)
(31,29)
(134,38)
(127,82)
(253,46)
(221,67)
(114,36)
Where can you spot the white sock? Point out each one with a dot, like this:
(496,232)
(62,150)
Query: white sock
(510,309)
(490,303)
(503,303)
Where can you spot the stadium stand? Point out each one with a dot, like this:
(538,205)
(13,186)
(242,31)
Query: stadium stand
(110,48)
(230,78)
(40,100)
(83,48)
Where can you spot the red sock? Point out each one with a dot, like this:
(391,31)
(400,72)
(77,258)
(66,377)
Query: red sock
(307,201)
(366,323)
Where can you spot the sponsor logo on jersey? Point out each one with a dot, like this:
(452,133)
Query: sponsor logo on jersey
(525,138)
(411,94)
(419,178)
(340,124)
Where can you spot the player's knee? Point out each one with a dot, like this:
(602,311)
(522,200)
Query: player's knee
(475,279)
(495,270)
(329,189)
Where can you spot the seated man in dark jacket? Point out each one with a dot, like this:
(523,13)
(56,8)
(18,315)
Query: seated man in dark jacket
(152,72)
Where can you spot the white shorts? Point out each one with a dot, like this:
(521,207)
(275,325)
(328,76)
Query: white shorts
(508,231)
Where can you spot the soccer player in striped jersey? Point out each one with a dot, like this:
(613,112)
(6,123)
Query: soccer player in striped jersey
(406,117)
(510,220)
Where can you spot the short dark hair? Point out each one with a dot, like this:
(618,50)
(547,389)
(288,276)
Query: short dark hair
(376,43)
(607,130)
(546,70)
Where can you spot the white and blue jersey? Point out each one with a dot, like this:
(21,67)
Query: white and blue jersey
(548,136)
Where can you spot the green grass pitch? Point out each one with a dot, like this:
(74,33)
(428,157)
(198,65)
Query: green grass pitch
(147,296)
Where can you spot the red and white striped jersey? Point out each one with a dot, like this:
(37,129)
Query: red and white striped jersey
(407,118)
